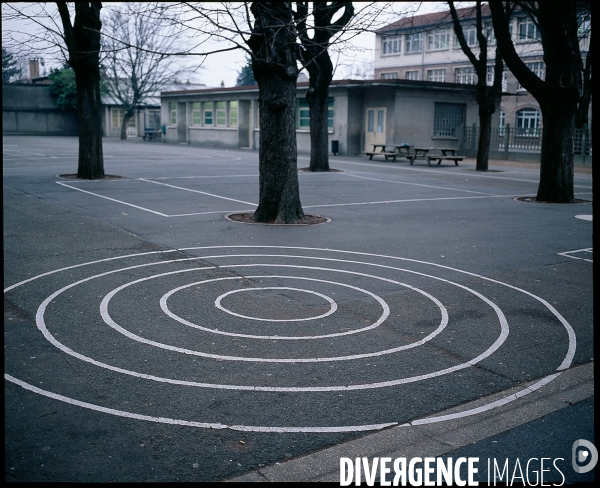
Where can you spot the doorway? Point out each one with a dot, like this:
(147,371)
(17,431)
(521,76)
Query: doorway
(374,127)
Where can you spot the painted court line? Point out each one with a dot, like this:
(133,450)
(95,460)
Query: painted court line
(112,199)
(198,191)
(419,184)
(405,200)
(450,173)
(567,254)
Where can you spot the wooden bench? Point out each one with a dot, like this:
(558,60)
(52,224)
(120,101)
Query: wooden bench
(382,152)
(439,158)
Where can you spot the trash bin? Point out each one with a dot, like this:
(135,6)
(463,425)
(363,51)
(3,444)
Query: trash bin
(335,147)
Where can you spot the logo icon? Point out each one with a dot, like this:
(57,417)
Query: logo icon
(587,454)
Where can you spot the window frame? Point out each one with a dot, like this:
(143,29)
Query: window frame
(414,75)
(443,124)
(438,71)
(528,114)
(172,114)
(391,45)
(466,72)
(437,38)
(413,43)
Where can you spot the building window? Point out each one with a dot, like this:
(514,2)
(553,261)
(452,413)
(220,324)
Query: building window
(196,114)
(538,69)
(584,28)
(436,75)
(490,77)
(438,41)
(390,45)
(528,31)
(208,113)
(233,114)
(303,117)
(528,122)
(502,118)
(221,114)
(173,113)
(116,115)
(303,114)
(389,76)
(411,75)
(466,76)
(414,43)
(448,119)
(470,34)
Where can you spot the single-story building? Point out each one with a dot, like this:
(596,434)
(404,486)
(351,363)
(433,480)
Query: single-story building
(362,112)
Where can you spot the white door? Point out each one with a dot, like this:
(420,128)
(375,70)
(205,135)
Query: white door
(374,127)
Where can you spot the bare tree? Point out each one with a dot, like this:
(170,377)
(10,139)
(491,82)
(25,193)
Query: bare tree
(137,40)
(559,94)
(488,97)
(275,67)
(314,55)
(82,38)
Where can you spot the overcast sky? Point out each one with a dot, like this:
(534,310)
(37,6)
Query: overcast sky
(224,67)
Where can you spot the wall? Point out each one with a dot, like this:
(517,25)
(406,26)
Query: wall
(29,110)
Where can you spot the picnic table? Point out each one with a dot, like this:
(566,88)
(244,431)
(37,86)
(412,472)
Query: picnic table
(446,153)
(379,150)
(441,153)
(152,134)
(402,150)
(420,153)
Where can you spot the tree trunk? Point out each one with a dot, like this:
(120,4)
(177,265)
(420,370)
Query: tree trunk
(320,70)
(128,114)
(279,199)
(556,168)
(83,41)
(274,63)
(487,107)
(91,160)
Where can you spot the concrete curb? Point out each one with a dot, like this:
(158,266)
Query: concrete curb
(439,438)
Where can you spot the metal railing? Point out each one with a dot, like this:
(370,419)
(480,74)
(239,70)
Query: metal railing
(510,143)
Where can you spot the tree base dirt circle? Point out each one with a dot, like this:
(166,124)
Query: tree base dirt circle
(73,176)
(534,200)
(331,170)
(246,218)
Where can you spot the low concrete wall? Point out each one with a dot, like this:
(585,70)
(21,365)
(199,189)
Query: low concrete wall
(29,110)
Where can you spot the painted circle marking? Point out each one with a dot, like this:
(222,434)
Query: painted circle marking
(332,304)
(377,323)
(41,325)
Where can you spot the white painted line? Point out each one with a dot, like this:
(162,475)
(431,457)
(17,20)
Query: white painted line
(401,201)
(450,173)
(566,361)
(382,318)
(421,184)
(332,305)
(484,408)
(187,423)
(212,212)
(567,254)
(203,177)
(585,217)
(201,192)
(112,199)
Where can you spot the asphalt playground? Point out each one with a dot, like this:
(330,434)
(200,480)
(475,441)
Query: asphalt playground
(149,338)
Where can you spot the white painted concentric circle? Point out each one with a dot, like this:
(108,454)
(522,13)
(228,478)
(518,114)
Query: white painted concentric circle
(332,304)
(384,315)
(257,428)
